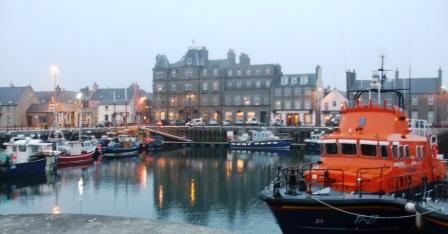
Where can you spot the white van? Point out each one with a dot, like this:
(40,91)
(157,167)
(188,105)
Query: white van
(196,122)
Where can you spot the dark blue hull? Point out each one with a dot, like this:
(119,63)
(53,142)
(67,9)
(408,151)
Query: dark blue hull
(434,221)
(37,167)
(112,152)
(262,145)
(307,216)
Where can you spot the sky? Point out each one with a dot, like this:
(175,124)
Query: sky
(114,43)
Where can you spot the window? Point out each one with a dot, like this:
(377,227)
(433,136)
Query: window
(297,91)
(298,104)
(229,83)
(228,100)
(248,72)
(173,101)
(258,72)
(238,73)
(268,71)
(106,117)
(257,100)
(266,100)
(238,83)
(258,83)
(406,151)
(308,91)
(326,106)
(246,100)
(173,87)
(204,72)
(189,73)
(284,80)
(204,86)
(160,87)
(331,148)
(307,104)
(268,83)
(14,148)
(349,149)
(237,100)
(287,104)
(248,83)
(414,115)
(204,100)
(395,151)
(431,116)
(278,105)
(335,103)
(22,148)
(414,100)
(215,72)
(400,151)
(160,74)
(229,73)
(368,150)
(304,80)
(287,91)
(294,80)
(215,85)
(188,86)
(215,100)
(278,92)
(173,73)
(384,153)
(430,100)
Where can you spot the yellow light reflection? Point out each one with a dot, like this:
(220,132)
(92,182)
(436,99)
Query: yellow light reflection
(142,175)
(228,168)
(160,196)
(192,192)
(240,166)
(80,187)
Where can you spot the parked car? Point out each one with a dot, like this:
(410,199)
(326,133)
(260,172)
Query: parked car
(225,123)
(195,122)
(212,122)
(252,121)
(239,122)
(162,122)
(276,122)
(178,122)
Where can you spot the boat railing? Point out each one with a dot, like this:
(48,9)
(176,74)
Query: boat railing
(360,180)
(324,179)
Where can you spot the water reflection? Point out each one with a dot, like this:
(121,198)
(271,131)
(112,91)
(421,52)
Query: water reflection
(211,187)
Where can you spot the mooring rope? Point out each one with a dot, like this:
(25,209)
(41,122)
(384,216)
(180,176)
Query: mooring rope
(370,216)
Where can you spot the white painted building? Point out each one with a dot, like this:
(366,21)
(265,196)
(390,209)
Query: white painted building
(330,107)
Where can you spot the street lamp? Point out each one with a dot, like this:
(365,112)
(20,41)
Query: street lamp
(190,102)
(54,70)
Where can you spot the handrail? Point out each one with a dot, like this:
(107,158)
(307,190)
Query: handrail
(359,179)
(326,177)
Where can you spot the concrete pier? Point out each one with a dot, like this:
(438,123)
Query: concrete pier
(99,224)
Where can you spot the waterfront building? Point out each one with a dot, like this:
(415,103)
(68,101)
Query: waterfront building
(219,89)
(65,104)
(330,107)
(296,98)
(115,105)
(427,100)
(14,102)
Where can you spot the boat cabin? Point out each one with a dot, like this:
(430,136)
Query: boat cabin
(24,150)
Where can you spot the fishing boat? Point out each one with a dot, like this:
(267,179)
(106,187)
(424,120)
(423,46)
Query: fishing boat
(433,210)
(312,144)
(121,146)
(77,152)
(261,140)
(27,157)
(370,167)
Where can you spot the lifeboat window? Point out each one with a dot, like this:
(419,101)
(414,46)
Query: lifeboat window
(395,151)
(422,152)
(368,150)
(349,149)
(406,151)
(400,151)
(384,153)
(331,148)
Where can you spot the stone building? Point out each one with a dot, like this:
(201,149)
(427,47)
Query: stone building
(14,102)
(220,89)
(425,102)
(296,97)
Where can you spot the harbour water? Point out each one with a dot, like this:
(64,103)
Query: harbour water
(203,186)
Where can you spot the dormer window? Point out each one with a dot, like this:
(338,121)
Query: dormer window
(284,80)
(304,80)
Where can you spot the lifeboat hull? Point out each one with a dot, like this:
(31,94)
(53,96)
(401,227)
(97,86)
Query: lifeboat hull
(304,214)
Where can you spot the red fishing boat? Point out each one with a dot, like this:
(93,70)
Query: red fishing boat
(370,168)
(77,152)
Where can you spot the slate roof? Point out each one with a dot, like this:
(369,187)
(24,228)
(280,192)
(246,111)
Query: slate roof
(418,85)
(64,96)
(60,107)
(9,96)
(106,96)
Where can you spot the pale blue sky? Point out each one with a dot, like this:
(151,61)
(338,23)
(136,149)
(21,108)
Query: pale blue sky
(115,42)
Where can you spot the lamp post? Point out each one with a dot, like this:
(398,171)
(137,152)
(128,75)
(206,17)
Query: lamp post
(79,97)
(54,70)
(190,103)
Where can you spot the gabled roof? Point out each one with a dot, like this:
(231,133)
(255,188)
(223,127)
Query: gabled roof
(10,96)
(64,96)
(418,85)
